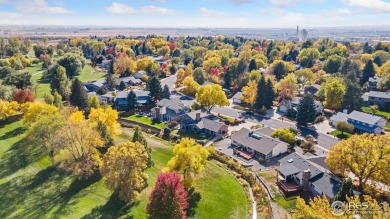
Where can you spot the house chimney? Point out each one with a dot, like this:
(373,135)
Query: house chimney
(305,180)
(198,117)
(157,110)
(345,111)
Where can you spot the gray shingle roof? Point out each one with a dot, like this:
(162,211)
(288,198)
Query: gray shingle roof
(327,184)
(265,131)
(378,94)
(203,114)
(237,95)
(208,124)
(288,170)
(364,117)
(174,104)
(339,117)
(300,163)
(264,144)
(320,161)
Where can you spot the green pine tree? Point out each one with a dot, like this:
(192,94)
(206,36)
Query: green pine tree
(368,72)
(131,100)
(138,137)
(155,89)
(346,190)
(261,98)
(166,93)
(252,65)
(270,94)
(306,111)
(353,97)
(79,96)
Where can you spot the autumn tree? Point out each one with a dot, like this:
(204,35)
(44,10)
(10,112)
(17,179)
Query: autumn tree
(317,208)
(305,76)
(191,87)
(189,159)
(79,96)
(333,64)
(124,66)
(36,111)
(306,110)
(168,198)
(249,93)
(72,63)
(344,126)
(285,135)
(210,96)
(20,80)
(60,82)
(124,168)
(80,141)
(334,94)
(308,55)
(108,117)
(23,96)
(45,131)
(94,102)
(366,156)
(287,87)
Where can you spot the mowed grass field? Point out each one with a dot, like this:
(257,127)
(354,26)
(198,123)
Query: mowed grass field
(32,189)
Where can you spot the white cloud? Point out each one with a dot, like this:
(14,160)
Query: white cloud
(161,1)
(121,9)
(284,3)
(206,11)
(375,5)
(3,1)
(240,2)
(41,6)
(117,8)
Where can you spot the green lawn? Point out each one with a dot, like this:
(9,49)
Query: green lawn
(379,113)
(33,189)
(286,202)
(338,134)
(90,74)
(387,127)
(146,120)
(231,119)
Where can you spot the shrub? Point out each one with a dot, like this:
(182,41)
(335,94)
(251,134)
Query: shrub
(144,78)
(35,61)
(167,133)
(299,142)
(263,110)
(172,124)
(344,126)
(195,106)
(307,147)
(285,135)
(319,119)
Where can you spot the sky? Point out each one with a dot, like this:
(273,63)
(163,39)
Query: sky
(197,13)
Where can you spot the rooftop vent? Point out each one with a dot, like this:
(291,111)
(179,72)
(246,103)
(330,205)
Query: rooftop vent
(256,136)
(290,160)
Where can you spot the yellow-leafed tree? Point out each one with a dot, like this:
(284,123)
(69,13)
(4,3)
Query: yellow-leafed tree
(124,168)
(108,117)
(37,110)
(189,159)
(249,93)
(210,96)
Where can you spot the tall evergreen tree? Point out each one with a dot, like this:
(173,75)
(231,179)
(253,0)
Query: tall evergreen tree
(280,70)
(79,96)
(252,65)
(270,94)
(122,86)
(368,72)
(353,97)
(378,61)
(166,93)
(306,111)
(106,137)
(155,89)
(111,68)
(131,100)
(138,137)
(345,66)
(199,76)
(346,190)
(110,81)
(261,97)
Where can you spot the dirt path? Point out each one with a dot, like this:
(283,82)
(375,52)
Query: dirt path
(151,142)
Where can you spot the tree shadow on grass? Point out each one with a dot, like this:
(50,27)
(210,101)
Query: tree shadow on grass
(9,120)
(193,199)
(114,208)
(13,133)
(18,156)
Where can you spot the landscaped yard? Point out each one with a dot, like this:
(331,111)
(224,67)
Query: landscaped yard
(146,120)
(33,189)
(340,135)
(231,119)
(379,113)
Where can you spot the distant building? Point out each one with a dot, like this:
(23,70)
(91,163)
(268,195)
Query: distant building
(169,110)
(291,105)
(303,35)
(237,98)
(121,98)
(203,122)
(372,82)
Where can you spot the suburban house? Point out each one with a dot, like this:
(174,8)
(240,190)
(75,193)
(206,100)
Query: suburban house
(237,98)
(130,80)
(372,82)
(203,122)
(169,110)
(312,89)
(105,98)
(94,85)
(139,74)
(296,174)
(106,64)
(382,99)
(288,105)
(121,98)
(363,122)
(251,144)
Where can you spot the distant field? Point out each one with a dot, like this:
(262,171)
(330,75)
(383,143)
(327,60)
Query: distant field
(33,189)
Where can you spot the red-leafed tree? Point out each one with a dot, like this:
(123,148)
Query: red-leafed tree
(214,71)
(23,96)
(168,199)
(109,51)
(172,46)
(164,66)
(225,69)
